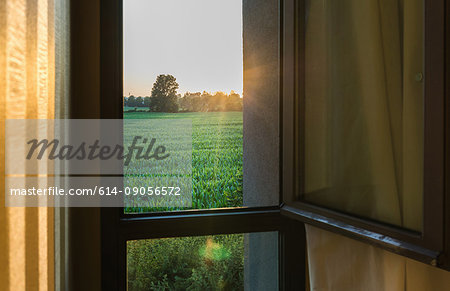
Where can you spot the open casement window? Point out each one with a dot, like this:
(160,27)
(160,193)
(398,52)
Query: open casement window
(268,244)
(363,97)
(344,129)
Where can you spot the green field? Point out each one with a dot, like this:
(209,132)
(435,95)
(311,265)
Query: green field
(216,155)
(186,263)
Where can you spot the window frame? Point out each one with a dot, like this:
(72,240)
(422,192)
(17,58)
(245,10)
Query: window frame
(431,245)
(117,228)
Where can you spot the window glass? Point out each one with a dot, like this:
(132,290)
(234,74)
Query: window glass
(183,60)
(218,262)
(363,108)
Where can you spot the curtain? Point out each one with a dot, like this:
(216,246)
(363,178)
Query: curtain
(364,138)
(32,60)
(338,263)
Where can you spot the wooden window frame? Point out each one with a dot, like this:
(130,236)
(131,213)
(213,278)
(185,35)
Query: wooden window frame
(117,228)
(432,244)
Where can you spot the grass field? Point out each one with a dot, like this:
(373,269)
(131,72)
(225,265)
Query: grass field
(186,263)
(216,155)
(182,263)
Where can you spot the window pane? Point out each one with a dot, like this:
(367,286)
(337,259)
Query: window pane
(219,262)
(364,108)
(200,44)
(183,60)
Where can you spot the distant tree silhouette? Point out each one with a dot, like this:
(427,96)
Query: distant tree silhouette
(146,101)
(233,102)
(164,94)
(139,102)
(131,101)
(205,102)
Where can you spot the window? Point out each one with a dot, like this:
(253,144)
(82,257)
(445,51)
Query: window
(363,109)
(187,71)
(291,120)
(367,87)
(254,216)
(188,77)
(204,262)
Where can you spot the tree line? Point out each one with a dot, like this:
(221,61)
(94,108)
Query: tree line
(164,98)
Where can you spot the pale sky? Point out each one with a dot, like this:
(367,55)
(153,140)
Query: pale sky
(197,41)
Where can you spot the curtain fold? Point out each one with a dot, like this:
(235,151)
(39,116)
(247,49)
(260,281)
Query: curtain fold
(337,263)
(28,76)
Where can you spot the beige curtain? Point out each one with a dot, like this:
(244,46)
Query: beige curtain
(31,47)
(364,137)
(337,263)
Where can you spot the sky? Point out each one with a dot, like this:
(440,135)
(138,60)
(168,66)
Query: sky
(197,41)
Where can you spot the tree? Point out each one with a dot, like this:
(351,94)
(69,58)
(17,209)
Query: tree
(139,102)
(234,102)
(218,101)
(164,94)
(131,101)
(146,101)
